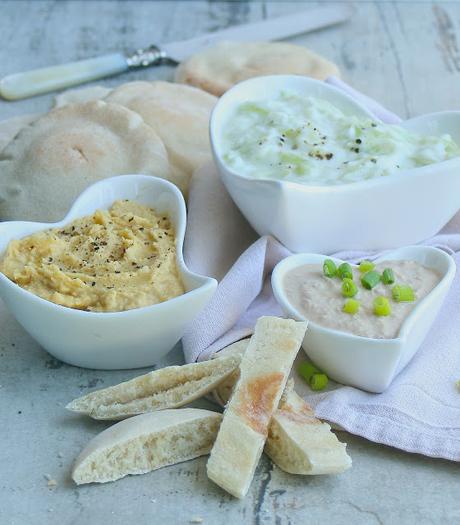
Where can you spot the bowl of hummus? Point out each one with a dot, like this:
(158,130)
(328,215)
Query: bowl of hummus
(307,164)
(106,287)
(364,327)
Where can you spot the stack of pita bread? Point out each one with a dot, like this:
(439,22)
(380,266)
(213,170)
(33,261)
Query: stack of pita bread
(263,413)
(155,128)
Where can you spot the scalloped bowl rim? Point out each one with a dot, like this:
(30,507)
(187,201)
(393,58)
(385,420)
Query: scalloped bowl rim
(75,213)
(313,188)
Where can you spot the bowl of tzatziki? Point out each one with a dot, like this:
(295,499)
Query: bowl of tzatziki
(306,163)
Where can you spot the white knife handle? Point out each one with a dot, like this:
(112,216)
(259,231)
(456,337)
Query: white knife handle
(38,81)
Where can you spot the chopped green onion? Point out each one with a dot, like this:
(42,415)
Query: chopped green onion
(318,381)
(306,370)
(344,271)
(329,268)
(403,294)
(351,306)
(366,266)
(349,288)
(388,276)
(382,306)
(370,279)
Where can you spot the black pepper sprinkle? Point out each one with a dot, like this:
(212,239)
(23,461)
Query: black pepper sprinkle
(93,283)
(50,259)
(356,150)
(358,141)
(130,220)
(374,160)
(374,125)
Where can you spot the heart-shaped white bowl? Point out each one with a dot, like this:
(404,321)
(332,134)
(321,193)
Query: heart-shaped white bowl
(397,210)
(129,339)
(363,362)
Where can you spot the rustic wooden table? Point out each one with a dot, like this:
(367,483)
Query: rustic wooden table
(405,54)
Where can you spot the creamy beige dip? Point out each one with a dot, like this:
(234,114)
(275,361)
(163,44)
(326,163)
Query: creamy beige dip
(110,261)
(319,299)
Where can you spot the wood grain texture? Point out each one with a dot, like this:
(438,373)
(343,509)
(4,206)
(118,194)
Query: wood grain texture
(405,54)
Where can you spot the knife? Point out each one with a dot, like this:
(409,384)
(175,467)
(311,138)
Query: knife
(44,80)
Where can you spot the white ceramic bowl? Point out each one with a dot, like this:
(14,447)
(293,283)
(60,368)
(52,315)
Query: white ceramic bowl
(397,210)
(370,364)
(130,339)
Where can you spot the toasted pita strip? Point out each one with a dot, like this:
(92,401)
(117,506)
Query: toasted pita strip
(264,370)
(145,443)
(219,67)
(300,443)
(169,387)
(297,441)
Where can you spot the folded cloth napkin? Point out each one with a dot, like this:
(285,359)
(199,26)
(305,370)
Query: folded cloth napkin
(420,412)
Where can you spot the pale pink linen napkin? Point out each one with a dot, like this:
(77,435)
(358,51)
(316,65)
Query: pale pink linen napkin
(420,412)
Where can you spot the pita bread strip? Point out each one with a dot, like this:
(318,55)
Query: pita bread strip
(145,443)
(299,443)
(264,370)
(170,387)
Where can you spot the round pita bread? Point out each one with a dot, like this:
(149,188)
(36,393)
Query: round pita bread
(179,114)
(11,127)
(50,162)
(71,96)
(220,67)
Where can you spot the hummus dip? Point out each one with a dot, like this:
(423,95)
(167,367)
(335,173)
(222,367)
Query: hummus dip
(110,261)
(319,298)
(310,141)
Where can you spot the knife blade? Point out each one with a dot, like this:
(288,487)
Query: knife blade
(268,29)
(44,80)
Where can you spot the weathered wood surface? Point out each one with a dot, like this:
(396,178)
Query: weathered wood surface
(404,54)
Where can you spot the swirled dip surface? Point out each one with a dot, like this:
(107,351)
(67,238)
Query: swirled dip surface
(110,261)
(319,298)
(310,141)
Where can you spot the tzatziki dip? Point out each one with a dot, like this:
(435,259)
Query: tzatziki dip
(310,141)
(324,299)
